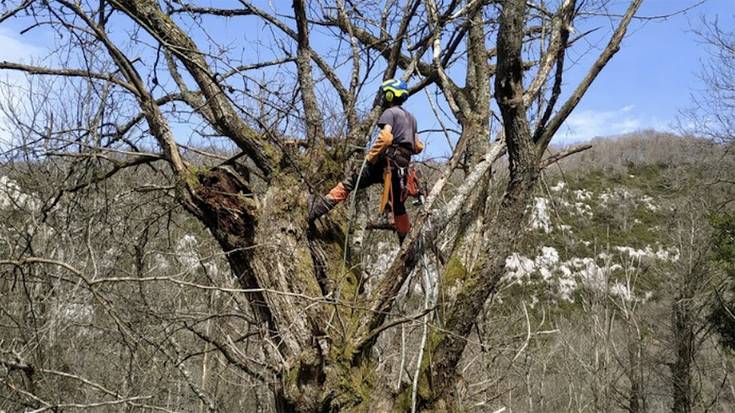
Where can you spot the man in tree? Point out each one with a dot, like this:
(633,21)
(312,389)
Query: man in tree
(387,160)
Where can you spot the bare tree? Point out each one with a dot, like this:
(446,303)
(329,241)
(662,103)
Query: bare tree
(712,112)
(317,327)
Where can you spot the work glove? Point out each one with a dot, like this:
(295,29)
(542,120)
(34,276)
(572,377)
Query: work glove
(418,146)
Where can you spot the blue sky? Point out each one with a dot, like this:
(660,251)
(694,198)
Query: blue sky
(643,87)
(653,75)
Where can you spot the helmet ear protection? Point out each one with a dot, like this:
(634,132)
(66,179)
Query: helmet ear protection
(389,96)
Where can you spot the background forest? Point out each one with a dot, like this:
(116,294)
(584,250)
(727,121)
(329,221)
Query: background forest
(155,254)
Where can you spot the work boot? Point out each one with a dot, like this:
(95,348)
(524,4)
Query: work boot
(401,237)
(319,205)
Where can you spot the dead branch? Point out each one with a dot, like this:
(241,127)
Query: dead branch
(554,158)
(81,73)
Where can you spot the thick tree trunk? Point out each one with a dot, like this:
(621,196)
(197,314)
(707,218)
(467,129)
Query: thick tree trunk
(684,320)
(269,255)
(636,397)
(476,120)
(504,229)
(468,242)
(308,338)
(681,368)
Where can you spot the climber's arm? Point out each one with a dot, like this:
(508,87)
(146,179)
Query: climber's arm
(385,139)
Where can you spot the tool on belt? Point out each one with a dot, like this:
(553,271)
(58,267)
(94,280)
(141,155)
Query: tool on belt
(410,185)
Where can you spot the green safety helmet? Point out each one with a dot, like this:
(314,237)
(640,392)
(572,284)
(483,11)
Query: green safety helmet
(394,90)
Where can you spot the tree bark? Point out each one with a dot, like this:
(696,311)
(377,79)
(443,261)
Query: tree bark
(681,369)
(504,228)
(312,113)
(636,397)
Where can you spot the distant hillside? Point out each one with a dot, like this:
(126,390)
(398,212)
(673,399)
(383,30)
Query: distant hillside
(614,204)
(643,148)
(616,255)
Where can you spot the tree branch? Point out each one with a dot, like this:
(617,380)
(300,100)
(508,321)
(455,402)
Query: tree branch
(545,163)
(39,70)
(561,24)
(159,25)
(313,117)
(612,47)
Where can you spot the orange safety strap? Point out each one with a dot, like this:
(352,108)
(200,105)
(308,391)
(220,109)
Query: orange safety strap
(387,188)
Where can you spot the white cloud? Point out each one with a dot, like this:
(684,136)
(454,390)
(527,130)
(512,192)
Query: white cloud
(586,124)
(17,49)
